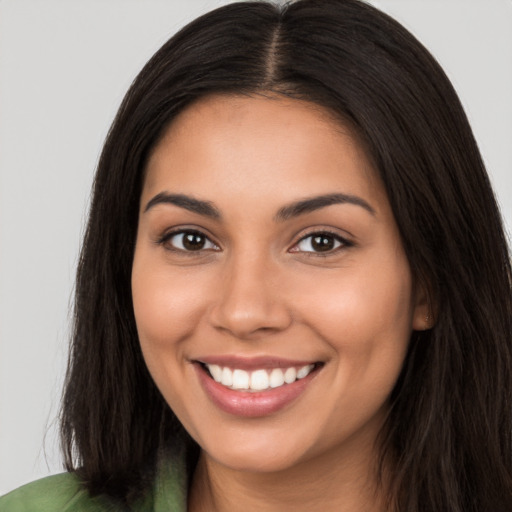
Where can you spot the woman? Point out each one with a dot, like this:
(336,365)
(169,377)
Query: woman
(294,289)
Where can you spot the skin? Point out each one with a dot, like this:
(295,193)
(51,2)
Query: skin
(259,289)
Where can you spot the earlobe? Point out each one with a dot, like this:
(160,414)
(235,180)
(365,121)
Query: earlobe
(424,318)
(429,321)
(422,321)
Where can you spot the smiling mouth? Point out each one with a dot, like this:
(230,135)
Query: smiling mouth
(258,380)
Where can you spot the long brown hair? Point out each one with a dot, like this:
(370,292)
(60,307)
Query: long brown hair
(449,428)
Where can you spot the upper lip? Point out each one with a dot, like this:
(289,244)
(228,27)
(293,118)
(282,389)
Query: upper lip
(254,363)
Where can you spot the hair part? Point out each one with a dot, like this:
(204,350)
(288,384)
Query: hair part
(448,433)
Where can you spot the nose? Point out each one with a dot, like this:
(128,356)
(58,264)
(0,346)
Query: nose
(250,302)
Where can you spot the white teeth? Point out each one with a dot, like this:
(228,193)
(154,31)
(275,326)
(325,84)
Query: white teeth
(304,371)
(240,379)
(216,372)
(290,375)
(276,378)
(257,380)
(227,377)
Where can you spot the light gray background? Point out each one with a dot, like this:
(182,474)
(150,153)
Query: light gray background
(64,67)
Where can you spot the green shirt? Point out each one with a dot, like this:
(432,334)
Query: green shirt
(64,493)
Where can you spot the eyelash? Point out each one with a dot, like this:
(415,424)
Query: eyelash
(342,243)
(167,237)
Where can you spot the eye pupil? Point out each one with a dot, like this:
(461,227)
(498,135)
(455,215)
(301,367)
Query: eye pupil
(322,243)
(193,241)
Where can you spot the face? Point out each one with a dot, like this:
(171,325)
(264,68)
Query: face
(273,299)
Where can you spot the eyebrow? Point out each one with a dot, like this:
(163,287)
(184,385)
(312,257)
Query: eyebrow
(207,209)
(315,203)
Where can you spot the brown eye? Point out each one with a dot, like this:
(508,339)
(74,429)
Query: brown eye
(189,241)
(193,241)
(320,242)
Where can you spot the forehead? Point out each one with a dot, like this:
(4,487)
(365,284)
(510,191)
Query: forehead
(273,146)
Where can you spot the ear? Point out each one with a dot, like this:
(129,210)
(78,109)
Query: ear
(424,314)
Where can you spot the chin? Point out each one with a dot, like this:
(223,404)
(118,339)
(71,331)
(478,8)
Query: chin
(252,461)
(260,451)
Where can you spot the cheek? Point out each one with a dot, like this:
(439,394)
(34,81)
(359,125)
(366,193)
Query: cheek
(167,309)
(360,302)
(167,306)
(365,317)
(366,320)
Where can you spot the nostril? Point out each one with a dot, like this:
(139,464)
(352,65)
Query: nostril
(250,319)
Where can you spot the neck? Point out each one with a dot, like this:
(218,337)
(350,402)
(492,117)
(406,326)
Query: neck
(346,483)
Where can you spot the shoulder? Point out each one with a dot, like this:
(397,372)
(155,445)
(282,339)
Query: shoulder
(58,493)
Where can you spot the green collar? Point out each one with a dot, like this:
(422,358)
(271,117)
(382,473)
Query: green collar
(171,483)
(65,493)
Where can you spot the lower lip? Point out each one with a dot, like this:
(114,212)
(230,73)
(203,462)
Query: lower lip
(252,404)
